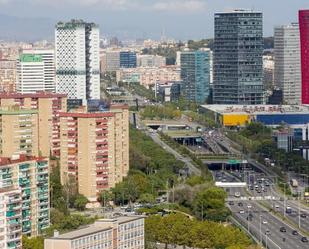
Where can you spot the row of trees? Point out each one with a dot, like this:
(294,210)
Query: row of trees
(178,229)
(204,200)
(152,171)
(256,138)
(160,112)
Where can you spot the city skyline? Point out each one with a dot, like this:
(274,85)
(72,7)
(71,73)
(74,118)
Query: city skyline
(137,18)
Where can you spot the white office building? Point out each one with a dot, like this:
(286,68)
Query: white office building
(148,60)
(287,75)
(48,58)
(77,60)
(30,74)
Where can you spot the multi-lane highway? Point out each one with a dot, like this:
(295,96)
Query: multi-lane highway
(263,225)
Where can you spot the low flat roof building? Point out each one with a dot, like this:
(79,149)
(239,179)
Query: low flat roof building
(272,115)
(117,233)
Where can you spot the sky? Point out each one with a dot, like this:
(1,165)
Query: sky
(180,19)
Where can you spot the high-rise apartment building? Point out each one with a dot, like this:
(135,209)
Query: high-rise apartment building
(304,42)
(94,149)
(47,107)
(30,74)
(195,75)
(127,59)
(48,58)
(118,233)
(24,199)
(77,60)
(19,132)
(287,74)
(238,64)
(7,75)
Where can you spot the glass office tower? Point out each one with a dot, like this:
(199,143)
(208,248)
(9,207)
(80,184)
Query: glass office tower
(238,62)
(195,75)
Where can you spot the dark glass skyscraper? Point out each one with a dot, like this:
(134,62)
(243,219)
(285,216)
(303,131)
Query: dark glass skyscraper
(238,62)
(195,75)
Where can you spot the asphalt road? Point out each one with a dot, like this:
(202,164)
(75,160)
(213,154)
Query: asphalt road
(275,239)
(262,220)
(192,168)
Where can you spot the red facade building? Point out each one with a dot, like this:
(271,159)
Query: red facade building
(304,42)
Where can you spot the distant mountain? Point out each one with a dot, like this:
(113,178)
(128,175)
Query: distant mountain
(26,29)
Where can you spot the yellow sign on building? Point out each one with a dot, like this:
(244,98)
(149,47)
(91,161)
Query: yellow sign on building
(235,119)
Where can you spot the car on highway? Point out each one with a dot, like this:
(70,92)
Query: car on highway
(241,211)
(267,232)
(249,218)
(264,222)
(294,232)
(249,206)
(304,239)
(282,229)
(303,215)
(240,204)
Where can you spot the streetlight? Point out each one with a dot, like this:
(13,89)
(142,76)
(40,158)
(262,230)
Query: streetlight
(266,240)
(261,229)
(248,218)
(284,201)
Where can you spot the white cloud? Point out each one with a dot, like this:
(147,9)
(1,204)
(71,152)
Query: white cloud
(180,5)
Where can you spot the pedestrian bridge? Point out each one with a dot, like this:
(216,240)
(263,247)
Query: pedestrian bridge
(231,184)
(254,198)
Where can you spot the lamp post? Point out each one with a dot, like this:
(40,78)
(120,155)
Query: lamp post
(261,229)
(284,202)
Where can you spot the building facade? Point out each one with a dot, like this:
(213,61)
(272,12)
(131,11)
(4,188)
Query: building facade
(110,61)
(77,60)
(127,59)
(287,74)
(30,74)
(195,75)
(48,58)
(94,149)
(268,72)
(147,60)
(19,132)
(47,107)
(169,92)
(24,195)
(7,75)
(283,138)
(148,77)
(118,233)
(304,44)
(238,64)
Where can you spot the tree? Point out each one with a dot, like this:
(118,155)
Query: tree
(105,197)
(147,198)
(209,204)
(57,197)
(33,243)
(80,202)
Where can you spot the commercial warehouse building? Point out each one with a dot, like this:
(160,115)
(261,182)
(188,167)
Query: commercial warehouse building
(272,115)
